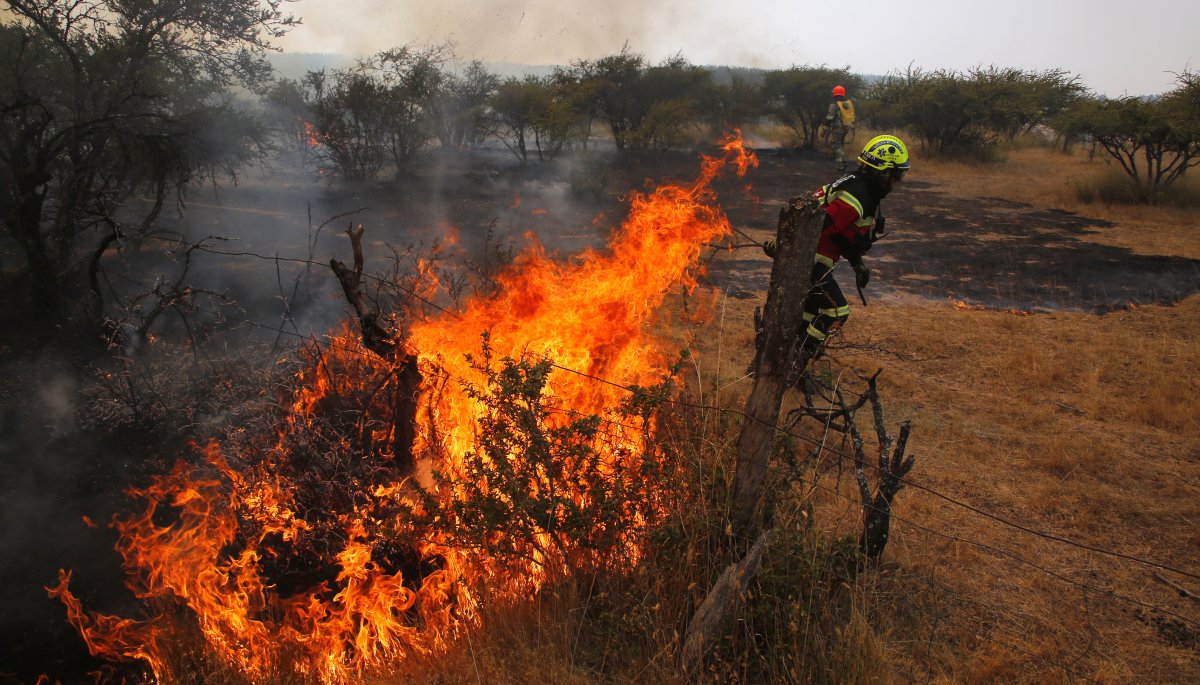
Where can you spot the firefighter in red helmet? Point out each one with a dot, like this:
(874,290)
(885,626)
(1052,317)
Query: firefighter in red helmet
(839,122)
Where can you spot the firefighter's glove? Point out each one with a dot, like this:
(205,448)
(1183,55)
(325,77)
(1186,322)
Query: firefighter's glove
(862,275)
(769,248)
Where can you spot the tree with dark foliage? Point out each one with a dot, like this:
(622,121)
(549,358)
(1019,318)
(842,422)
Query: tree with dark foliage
(1154,140)
(799,97)
(105,101)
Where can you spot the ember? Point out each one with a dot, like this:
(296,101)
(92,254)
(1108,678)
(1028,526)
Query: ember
(285,560)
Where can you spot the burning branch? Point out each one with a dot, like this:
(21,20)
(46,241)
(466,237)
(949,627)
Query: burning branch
(374,336)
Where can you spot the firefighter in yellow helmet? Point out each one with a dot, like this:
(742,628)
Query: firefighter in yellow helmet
(853,222)
(839,122)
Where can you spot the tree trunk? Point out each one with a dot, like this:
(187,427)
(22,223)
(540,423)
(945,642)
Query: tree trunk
(877,512)
(791,274)
(26,226)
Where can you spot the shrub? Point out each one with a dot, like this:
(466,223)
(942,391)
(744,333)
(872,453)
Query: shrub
(966,114)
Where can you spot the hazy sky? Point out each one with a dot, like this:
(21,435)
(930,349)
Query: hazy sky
(1117,46)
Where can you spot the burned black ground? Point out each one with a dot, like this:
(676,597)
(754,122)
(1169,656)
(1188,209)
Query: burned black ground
(986,251)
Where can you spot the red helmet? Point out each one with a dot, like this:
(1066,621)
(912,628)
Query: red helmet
(839,91)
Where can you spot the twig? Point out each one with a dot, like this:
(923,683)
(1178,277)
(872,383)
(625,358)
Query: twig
(1183,592)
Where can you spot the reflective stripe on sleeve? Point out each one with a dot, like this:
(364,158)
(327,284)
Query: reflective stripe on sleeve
(848,199)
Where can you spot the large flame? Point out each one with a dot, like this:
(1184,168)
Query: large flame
(198,554)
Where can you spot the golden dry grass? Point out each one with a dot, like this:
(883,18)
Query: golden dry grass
(1079,425)
(1086,427)
(1082,426)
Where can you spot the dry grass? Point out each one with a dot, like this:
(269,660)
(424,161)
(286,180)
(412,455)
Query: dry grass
(1087,427)
(1082,426)
(1079,425)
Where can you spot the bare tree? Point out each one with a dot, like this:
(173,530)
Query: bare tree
(377,339)
(839,415)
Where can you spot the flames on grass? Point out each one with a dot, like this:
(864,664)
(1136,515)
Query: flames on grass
(269,556)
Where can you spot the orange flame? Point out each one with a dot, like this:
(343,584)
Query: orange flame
(312,135)
(207,532)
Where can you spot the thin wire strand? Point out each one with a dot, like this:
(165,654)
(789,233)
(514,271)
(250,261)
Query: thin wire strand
(952,500)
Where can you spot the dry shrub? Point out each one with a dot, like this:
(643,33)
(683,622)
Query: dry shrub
(169,392)
(1111,186)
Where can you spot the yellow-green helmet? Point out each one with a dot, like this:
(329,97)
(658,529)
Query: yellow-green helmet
(885,153)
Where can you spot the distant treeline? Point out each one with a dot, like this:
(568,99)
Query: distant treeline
(389,107)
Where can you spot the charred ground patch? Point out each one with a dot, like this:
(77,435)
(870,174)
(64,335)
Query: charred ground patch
(984,250)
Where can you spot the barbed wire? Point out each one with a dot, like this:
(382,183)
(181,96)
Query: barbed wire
(728,410)
(915,485)
(1006,553)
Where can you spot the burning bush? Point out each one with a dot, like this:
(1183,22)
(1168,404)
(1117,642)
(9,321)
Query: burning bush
(546,487)
(312,551)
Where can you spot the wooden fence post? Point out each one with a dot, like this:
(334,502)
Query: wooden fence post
(796,244)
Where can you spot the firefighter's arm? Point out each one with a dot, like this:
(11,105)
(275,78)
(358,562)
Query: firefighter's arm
(877,231)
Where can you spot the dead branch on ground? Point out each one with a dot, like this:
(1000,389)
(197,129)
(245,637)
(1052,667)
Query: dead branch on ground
(726,593)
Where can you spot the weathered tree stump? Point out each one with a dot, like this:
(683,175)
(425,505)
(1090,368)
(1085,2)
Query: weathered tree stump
(726,593)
